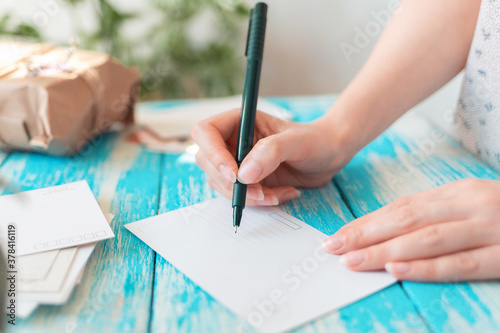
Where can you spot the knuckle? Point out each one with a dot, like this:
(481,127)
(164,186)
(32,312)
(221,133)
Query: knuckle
(487,200)
(269,146)
(431,270)
(197,129)
(216,185)
(466,262)
(211,183)
(393,250)
(470,183)
(379,255)
(270,124)
(370,255)
(356,236)
(198,158)
(273,122)
(212,152)
(404,212)
(402,202)
(405,216)
(431,236)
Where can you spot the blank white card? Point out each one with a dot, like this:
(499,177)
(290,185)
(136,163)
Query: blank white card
(273,272)
(53,218)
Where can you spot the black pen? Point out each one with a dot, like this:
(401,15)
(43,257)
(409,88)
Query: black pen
(253,52)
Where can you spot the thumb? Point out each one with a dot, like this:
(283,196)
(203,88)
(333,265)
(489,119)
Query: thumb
(265,157)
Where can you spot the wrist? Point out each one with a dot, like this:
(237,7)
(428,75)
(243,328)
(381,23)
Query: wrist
(339,137)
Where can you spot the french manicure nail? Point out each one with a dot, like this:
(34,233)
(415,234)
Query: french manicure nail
(274,200)
(397,267)
(333,243)
(249,171)
(260,194)
(290,195)
(354,258)
(228,173)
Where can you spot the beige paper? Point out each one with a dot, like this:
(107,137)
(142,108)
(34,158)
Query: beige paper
(60,110)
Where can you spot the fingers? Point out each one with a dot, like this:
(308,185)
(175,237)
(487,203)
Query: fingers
(257,195)
(266,156)
(406,214)
(477,264)
(215,159)
(450,233)
(400,219)
(400,216)
(402,205)
(283,193)
(272,196)
(218,182)
(428,242)
(211,135)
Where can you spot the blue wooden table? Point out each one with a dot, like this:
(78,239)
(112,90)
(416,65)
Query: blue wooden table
(126,287)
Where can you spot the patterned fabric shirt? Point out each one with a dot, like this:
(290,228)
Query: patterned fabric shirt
(477,117)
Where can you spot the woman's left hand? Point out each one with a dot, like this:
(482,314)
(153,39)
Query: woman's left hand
(449,233)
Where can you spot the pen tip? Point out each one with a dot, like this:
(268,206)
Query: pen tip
(236,230)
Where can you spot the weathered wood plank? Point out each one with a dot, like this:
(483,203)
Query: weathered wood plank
(3,155)
(115,291)
(305,109)
(413,156)
(180,306)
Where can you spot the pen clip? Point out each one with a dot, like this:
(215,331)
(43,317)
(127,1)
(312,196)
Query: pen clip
(248,32)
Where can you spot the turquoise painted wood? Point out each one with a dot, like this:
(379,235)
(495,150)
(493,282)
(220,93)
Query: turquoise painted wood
(3,155)
(115,291)
(413,156)
(180,306)
(126,287)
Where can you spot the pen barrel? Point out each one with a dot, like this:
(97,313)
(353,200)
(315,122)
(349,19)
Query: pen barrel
(248,110)
(257,32)
(254,52)
(239,194)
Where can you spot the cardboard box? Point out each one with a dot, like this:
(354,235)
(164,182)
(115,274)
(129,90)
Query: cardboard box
(55,100)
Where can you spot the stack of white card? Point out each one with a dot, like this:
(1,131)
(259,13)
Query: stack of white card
(56,229)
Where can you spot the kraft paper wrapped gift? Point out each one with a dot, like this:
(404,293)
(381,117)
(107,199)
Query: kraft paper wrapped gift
(56,100)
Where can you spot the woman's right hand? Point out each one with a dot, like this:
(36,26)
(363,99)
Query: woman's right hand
(285,155)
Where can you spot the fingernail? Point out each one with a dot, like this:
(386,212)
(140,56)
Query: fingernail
(354,258)
(249,171)
(228,173)
(291,194)
(256,194)
(397,267)
(269,200)
(333,243)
